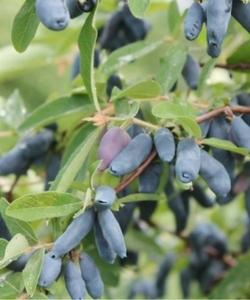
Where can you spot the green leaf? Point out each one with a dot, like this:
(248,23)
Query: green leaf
(190,126)
(138,197)
(24,26)
(51,111)
(44,205)
(145,89)
(168,110)
(92,171)
(138,241)
(226,145)
(138,8)
(86,43)
(171,65)
(14,110)
(129,110)
(38,296)
(76,141)
(69,171)
(235,283)
(11,286)
(17,246)
(173,16)
(205,72)
(127,54)
(32,271)
(34,57)
(3,245)
(240,55)
(17,226)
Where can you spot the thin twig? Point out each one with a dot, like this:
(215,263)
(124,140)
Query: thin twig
(239,66)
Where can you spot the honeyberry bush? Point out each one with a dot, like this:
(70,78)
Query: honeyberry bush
(185,237)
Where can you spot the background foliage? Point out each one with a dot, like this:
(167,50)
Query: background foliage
(36,89)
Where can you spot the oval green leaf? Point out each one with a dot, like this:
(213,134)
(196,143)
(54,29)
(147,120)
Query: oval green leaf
(127,54)
(44,205)
(32,271)
(138,8)
(146,89)
(24,26)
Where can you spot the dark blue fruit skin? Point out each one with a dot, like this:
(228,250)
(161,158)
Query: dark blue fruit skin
(185,278)
(240,12)
(111,30)
(74,282)
(199,194)
(187,163)
(194,20)
(51,268)
(132,156)
(247,200)
(88,5)
(30,148)
(104,197)
(114,80)
(19,264)
(218,14)
(164,144)
(4,231)
(91,276)
(162,274)
(146,209)
(208,234)
(74,8)
(103,248)
(144,288)
(135,29)
(210,275)
(219,129)
(244,99)
(52,169)
(112,232)
(125,213)
(191,71)
(111,144)
(150,178)
(214,174)
(240,132)
(176,203)
(53,14)
(75,232)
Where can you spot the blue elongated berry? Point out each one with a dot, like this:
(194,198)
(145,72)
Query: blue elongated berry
(103,248)
(104,197)
(51,269)
(194,20)
(132,156)
(74,282)
(241,11)
(74,8)
(164,144)
(112,143)
(91,276)
(187,160)
(150,178)
(191,71)
(75,232)
(240,132)
(214,174)
(87,5)
(112,232)
(218,14)
(53,14)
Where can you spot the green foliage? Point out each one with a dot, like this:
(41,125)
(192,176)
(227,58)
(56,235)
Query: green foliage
(154,95)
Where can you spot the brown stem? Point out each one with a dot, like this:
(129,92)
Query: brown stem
(239,66)
(227,260)
(223,110)
(136,173)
